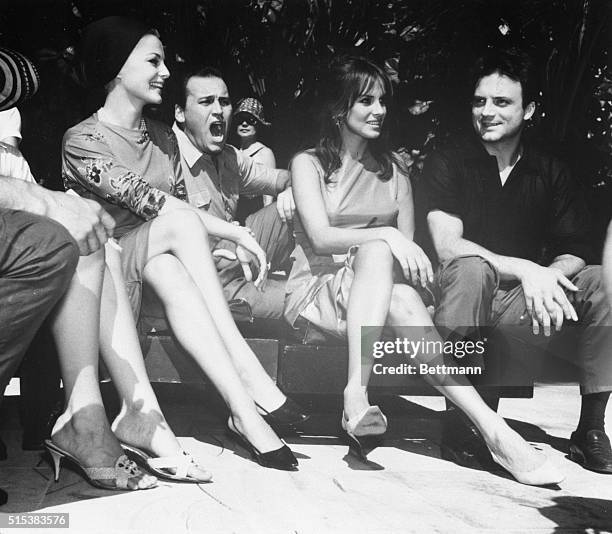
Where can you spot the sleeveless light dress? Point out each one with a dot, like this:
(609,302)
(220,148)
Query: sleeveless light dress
(319,285)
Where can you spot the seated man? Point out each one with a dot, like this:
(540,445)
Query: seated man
(41,234)
(509,226)
(216,174)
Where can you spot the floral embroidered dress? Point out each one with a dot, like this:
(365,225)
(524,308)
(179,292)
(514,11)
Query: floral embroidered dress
(129,172)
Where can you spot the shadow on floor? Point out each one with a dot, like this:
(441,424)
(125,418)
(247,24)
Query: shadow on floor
(198,413)
(586,515)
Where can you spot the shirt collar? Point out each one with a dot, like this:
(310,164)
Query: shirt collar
(188,150)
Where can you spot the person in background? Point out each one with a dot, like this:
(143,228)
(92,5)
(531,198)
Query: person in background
(248,118)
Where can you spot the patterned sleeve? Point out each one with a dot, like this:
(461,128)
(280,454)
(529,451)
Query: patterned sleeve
(178,187)
(89,164)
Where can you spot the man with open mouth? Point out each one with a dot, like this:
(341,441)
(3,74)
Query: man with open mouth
(216,174)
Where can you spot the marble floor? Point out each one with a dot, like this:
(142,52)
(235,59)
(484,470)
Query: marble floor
(405,487)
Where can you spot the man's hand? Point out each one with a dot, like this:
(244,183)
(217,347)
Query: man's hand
(285,205)
(545,297)
(85,220)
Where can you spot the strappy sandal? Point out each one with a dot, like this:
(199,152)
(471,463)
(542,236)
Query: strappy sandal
(117,476)
(163,466)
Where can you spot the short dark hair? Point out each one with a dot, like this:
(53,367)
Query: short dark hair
(511,62)
(180,97)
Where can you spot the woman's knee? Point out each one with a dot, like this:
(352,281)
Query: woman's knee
(376,251)
(181,226)
(163,268)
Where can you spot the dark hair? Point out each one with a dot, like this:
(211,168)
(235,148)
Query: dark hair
(180,97)
(511,62)
(345,81)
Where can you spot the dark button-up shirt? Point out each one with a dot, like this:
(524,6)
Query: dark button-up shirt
(538,214)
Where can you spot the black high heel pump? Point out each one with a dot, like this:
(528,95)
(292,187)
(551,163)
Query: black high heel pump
(281,458)
(288,414)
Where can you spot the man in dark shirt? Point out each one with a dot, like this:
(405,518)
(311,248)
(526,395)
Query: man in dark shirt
(509,226)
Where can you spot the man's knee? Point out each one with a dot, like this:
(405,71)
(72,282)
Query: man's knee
(45,251)
(65,252)
(469,272)
(589,278)
(590,283)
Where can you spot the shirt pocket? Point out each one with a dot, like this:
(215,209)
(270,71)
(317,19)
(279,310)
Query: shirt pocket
(200,198)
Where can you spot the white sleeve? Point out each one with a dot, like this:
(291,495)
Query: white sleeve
(10,124)
(13,164)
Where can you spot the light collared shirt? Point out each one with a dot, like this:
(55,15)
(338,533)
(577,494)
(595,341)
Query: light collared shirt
(13,164)
(10,124)
(214,182)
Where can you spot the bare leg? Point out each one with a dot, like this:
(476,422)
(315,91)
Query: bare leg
(373,276)
(83,429)
(191,321)
(140,421)
(182,234)
(407,309)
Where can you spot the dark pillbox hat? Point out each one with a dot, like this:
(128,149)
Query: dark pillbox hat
(105,46)
(18,78)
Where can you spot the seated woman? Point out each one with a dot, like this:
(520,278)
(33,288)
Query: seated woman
(351,195)
(131,166)
(44,228)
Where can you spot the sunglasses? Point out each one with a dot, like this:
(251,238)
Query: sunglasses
(249,119)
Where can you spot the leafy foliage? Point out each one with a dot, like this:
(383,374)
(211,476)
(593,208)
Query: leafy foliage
(273,49)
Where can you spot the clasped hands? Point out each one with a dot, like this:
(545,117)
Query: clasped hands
(547,303)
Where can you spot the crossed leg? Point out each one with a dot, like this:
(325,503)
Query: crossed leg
(406,309)
(181,271)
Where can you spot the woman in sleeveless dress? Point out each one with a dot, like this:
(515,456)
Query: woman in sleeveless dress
(356,264)
(131,166)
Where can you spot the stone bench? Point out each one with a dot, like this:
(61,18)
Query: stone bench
(298,369)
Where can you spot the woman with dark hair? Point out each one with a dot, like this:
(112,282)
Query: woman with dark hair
(131,166)
(356,263)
